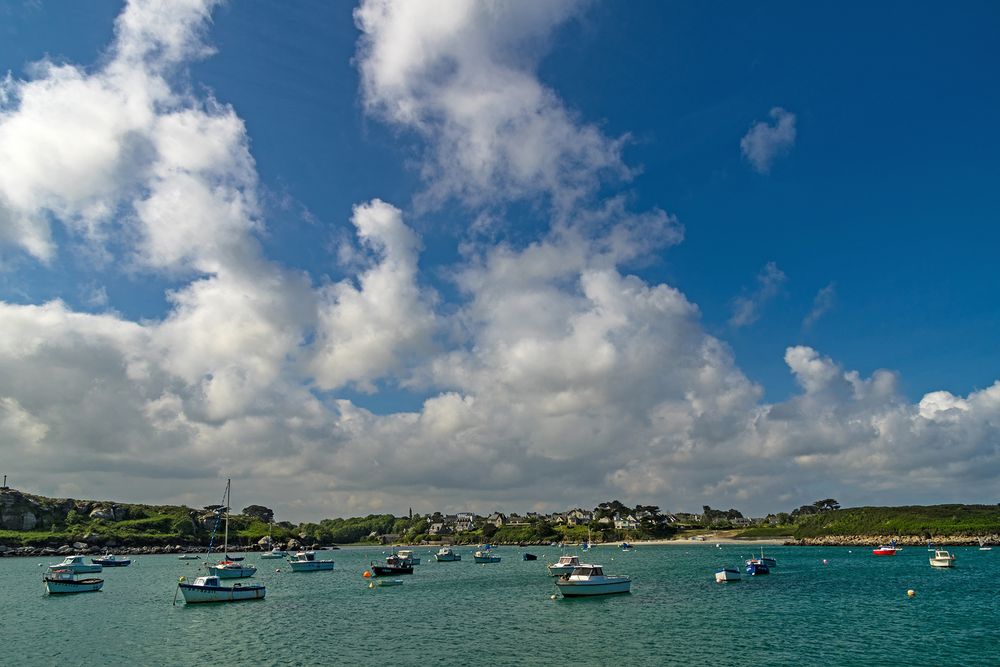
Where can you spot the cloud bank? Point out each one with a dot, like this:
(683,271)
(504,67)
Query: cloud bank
(551,377)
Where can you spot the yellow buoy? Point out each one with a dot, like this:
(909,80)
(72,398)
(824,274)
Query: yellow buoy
(182,579)
(910,593)
(371,584)
(552,597)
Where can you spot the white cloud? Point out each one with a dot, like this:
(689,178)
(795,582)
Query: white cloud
(822,304)
(763,142)
(462,77)
(746,308)
(368,330)
(555,378)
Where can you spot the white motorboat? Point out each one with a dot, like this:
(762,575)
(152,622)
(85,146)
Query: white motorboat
(942,559)
(565,565)
(305,561)
(76,565)
(384,581)
(65,581)
(110,560)
(727,574)
(591,580)
(189,557)
(275,553)
(485,556)
(210,589)
(446,555)
(407,555)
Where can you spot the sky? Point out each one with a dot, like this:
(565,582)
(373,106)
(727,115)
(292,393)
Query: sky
(472,256)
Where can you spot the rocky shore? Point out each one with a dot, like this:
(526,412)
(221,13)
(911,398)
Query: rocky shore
(103,548)
(901,540)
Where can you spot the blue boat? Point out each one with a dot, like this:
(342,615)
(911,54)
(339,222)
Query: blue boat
(111,561)
(755,567)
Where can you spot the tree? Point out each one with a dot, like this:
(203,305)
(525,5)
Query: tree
(259,512)
(783,518)
(826,505)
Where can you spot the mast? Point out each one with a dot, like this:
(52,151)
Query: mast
(226,509)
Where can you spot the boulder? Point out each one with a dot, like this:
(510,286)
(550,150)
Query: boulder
(103,513)
(294,545)
(80,546)
(264,542)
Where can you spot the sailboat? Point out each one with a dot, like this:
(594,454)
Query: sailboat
(274,552)
(228,568)
(982,545)
(210,588)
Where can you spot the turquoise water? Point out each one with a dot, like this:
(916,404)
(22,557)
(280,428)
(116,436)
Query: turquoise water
(852,611)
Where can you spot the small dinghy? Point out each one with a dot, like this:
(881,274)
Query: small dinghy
(530,557)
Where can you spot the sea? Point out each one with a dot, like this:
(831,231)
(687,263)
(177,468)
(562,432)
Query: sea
(819,606)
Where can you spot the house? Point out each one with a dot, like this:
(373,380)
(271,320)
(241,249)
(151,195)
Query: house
(438,529)
(626,523)
(388,538)
(497,519)
(578,516)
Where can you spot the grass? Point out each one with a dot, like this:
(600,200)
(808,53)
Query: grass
(924,521)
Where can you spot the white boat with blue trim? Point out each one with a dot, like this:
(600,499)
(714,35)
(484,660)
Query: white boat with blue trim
(306,561)
(65,581)
(76,565)
(589,580)
(210,589)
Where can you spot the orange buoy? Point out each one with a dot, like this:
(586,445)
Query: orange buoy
(367,574)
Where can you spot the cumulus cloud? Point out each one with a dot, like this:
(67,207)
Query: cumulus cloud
(551,376)
(462,77)
(822,303)
(746,308)
(764,142)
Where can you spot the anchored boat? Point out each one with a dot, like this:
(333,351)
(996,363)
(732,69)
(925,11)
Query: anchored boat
(727,574)
(306,561)
(590,580)
(942,558)
(446,555)
(210,589)
(109,560)
(65,581)
(565,565)
(76,565)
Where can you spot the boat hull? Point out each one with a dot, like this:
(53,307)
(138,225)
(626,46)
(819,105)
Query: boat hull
(727,575)
(757,569)
(236,593)
(232,572)
(111,563)
(269,555)
(576,589)
(559,570)
(486,559)
(448,559)
(63,587)
(311,566)
(387,571)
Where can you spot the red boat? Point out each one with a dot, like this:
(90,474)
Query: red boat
(886,550)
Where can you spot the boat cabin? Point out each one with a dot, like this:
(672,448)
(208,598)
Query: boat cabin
(207,581)
(62,575)
(587,571)
(73,560)
(569,560)
(305,556)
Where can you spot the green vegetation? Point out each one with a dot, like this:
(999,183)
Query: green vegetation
(765,532)
(926,521)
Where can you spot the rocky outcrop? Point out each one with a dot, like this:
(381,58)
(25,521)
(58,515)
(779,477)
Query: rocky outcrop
(901,540)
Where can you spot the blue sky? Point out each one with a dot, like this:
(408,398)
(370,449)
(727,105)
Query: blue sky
(870,207)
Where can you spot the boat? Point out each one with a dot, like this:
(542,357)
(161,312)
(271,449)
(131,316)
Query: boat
(565,565)
(275,553)
(766,560)
(529,557)
(589,579)
(407,556)
(305,561)
(228,568)
(446,555)
(76,565)
(982,545)
(189,557)
(485,556)
(727,574)
(382,582)
(390,570)
(942,558)
(755,567)
(210,589)
(108,560)
(64,581)
(886,549)
(930,546)
(625,546)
